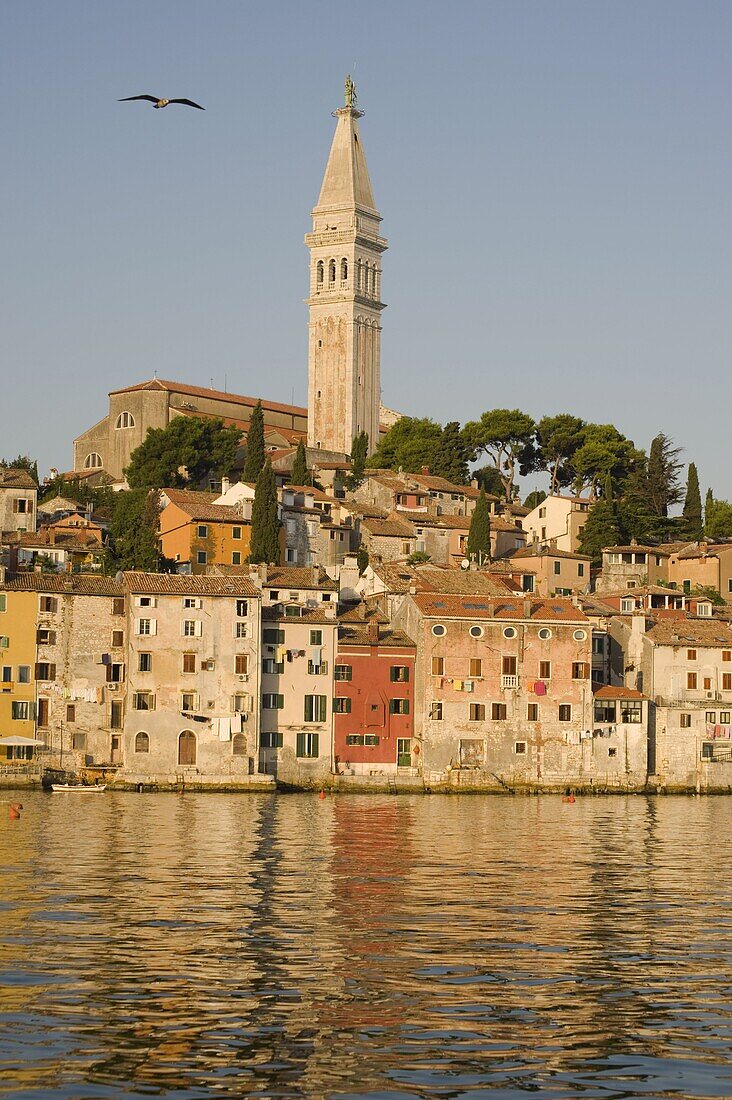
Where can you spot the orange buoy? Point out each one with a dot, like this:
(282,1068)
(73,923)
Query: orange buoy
(322,794)
(14,811)
(568,798)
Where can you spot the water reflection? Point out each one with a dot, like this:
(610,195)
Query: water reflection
(384,947)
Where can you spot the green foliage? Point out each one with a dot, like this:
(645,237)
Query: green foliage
(507,437)
(183,454)
(265,544)
(718,519)
(359,453)
(693,527)
(362,559)
(604,451)
(708,511)
(489,479)
(558,440)
(637,517)
(602,527)
(478,547)
(254,460)
(418,558)
(101,498)
(663,475)
(411,443)
(300,465)
(451,461)
(22,462)
(534,499)
(133,532)
(704,592)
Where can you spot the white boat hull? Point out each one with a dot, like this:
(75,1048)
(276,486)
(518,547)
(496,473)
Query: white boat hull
(66,788)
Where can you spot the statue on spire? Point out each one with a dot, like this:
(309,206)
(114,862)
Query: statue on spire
(350,92)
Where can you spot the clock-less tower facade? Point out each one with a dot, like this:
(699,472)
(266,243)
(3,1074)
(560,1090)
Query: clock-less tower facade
(344,382)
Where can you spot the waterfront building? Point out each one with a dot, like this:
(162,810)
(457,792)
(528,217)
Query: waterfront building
(18,612)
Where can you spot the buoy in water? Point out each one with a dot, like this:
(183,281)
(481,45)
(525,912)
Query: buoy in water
(322,794)
(14,811)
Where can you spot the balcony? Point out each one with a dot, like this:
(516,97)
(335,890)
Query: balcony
(509,683)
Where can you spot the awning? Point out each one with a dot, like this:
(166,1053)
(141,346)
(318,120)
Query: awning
(17,741)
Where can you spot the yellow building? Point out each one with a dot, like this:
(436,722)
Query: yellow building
(195,532)
(18,617)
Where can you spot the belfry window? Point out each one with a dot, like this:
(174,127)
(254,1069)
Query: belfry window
(358,275)
(344,269)
(331,271)
(320,273)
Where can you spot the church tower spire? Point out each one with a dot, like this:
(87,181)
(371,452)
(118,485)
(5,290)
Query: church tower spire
(344,388)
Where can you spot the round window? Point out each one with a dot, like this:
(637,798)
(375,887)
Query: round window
(438,630)
(509,632)
(579,635)
(545,633)
(476,632)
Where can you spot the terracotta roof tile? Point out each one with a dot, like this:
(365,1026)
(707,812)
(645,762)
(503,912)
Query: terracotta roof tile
(293,576)
(392,527)
(13,478)
(200,506)
(177,584)
(609,692)
(682,632)
(358,634)
(436,605)
(630,549)
(78,584)
(219,395)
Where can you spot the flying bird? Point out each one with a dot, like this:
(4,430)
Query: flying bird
(158,103)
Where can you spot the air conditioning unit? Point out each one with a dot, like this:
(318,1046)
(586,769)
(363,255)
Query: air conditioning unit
(112,687)
(243,677)
(710,695)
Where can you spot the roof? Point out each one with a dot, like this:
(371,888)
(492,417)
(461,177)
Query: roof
(62,539)
(427,519)
(632,548)
(13,478)
(358,634)
(293,576)
(546,552)
(346,180)
(701,632)
(200,506)
(177,584)
(392,527)
(60,504)
(609,692)
(310,490)
(307,615)
(440,605)
(76,584)
(219,395)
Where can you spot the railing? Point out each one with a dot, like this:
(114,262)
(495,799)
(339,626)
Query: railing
(509,682)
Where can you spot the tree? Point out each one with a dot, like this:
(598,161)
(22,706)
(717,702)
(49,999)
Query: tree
(359,453)
(409,444)
(718,519)
(637,518)
(254,460)
(534,499)
(602,527)
(133,532)
(265,543)
(604,452)
(362,560)
(451,461)
(418,557)
(22,462)
(663,475)
(478,547)
(558,439)
(488,478)
(507,437)
(692,526)
(708,511)
(300,466)
(184,453)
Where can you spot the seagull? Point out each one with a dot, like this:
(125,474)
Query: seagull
(158,103)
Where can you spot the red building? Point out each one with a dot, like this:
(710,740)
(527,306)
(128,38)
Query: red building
(373,698)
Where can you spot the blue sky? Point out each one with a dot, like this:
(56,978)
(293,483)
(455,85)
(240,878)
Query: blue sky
(554,178)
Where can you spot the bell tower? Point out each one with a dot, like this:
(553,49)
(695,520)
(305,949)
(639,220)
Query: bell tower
(344,385)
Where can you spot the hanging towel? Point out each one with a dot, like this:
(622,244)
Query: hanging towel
(457,685)
(468,685)
(224,728)
(281,652)
(539,688)
(236,723)
(315,651)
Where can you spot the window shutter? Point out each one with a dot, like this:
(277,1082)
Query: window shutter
(52,672)
(153,626)
(301,744)
(198,628)
(280,702)
(152,702)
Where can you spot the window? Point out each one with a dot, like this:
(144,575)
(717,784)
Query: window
(580,569)
(146,601)
(273,637)
(727,654)
(115,717)
(189,701)
(273,701)
(439,630)
(78,741)
(476,712)
(691,679)
(343,672)
(581,635)
(118,605)
(545,634)
(142,742)
(355,739)
(532,712)
(70,712)
(691,654)
(727,681)
(307,744)
(685,721)
(398,706)
(499,712)
(236,557)
(580,670)
(316,708)
(189,662)
(192,628)
(711,717)
(24,674)
(476,632)
(293,611)
(370,739)
(202,531)
(125,420)
(118,638)
(316,637)
(242,608)
(144,662)
(724,717)
(520,748)
(46,637)
(438,666)
(241,664)
(545,670)
(399,674)
(341,705)
(143,700)
(557,568)
(271,667)
(49,604)
(707,751)
(3,601)
(509,666)
(240,703)
(192,602)
(144,626)
(631,711)
(45,671)
(319,669)
(93,461)
(236,532)
(509,632)
(271,740)
(201,557)
(476,668)
(565,712)
(627,606)
(436,711)
(20,710)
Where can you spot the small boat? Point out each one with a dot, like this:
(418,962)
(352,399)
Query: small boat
(86,788)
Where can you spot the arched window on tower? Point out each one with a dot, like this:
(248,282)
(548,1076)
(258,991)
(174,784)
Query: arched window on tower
(125,420)
(319,275)
(331,271)
(358,275)
(344,270)
(93,461)
(366,277)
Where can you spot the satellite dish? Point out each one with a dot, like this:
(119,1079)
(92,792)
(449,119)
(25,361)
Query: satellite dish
(465,563)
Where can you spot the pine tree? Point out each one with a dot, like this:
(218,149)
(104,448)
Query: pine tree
(709,513)
(265,544)
(254,461)
(300,466)
(478,546)
(692,526)
(451,461)
(602,528)
(359,453)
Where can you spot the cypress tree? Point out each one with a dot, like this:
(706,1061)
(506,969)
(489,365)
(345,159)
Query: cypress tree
(359,452)
(478,547)
(265,544)
(709,513)
(452,458)
(254,461)
(300,466)
(692,527)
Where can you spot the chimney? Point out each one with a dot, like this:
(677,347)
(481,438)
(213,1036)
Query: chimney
(225,485)
(527,608)
(374,632)
(426,471)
